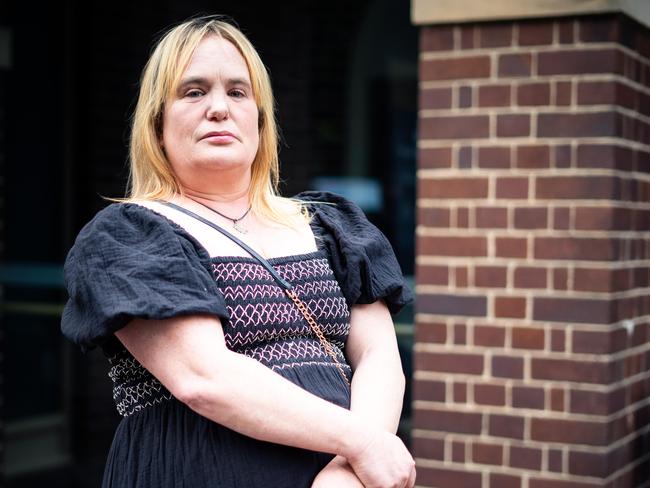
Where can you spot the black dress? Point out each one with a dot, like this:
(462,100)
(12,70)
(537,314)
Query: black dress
(131,262)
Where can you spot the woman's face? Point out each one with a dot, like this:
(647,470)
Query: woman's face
(211,122)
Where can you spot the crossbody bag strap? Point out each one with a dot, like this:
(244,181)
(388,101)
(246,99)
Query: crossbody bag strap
(284,284)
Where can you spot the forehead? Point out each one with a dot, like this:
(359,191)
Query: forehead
(216,56)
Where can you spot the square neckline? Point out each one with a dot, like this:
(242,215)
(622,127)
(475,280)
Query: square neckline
(318,253)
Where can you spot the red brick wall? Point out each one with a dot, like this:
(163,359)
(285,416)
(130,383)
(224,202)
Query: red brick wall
(533,245)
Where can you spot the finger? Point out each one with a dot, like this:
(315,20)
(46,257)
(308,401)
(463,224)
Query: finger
(404,483)
(411,481)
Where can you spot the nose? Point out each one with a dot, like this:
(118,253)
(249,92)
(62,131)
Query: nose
(218,108)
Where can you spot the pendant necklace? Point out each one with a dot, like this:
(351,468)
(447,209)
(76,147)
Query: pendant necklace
(235,222)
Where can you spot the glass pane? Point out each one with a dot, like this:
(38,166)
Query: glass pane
(33,353)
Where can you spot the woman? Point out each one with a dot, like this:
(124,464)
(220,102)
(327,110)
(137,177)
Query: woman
(221,378)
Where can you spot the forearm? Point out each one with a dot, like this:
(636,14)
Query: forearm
(249,398)
(377,396)
(378,381)
(261,404)
(189,357)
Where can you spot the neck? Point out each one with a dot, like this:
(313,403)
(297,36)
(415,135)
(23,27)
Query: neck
(227,191)
(229,198)
(227,185)
(234,206)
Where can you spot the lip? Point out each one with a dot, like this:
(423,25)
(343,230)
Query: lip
(219,136)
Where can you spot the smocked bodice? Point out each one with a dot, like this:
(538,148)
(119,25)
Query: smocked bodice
(264,324)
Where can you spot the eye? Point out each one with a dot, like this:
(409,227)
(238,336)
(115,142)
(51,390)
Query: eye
(237,93)
(193,93)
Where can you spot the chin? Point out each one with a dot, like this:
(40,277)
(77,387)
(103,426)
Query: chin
(224,163)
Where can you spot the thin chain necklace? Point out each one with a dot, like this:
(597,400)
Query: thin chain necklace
(235,222)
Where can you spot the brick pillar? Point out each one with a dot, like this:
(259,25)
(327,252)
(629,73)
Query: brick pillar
(533,306)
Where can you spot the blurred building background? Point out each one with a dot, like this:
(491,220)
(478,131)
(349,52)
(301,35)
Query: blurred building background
(529,121)
(345,80)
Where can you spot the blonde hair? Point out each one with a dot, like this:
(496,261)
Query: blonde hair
(151,176)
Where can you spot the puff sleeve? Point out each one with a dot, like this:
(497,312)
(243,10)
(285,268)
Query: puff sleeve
(361,257)
(131,262)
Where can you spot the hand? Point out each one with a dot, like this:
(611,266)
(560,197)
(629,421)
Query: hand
(382,461)
(337,474)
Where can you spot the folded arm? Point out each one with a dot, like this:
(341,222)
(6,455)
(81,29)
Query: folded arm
(189,357)
(377,385)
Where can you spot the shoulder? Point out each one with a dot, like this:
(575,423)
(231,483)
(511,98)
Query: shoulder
(128,262)
(314,198)
(129,216)
(333,209)
(338,218)
(133,226)
(341,219)
(360,255)
(119,219)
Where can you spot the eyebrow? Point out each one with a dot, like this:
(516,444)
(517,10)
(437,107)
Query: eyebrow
(198,80)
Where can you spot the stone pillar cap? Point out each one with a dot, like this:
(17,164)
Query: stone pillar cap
(426,12)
